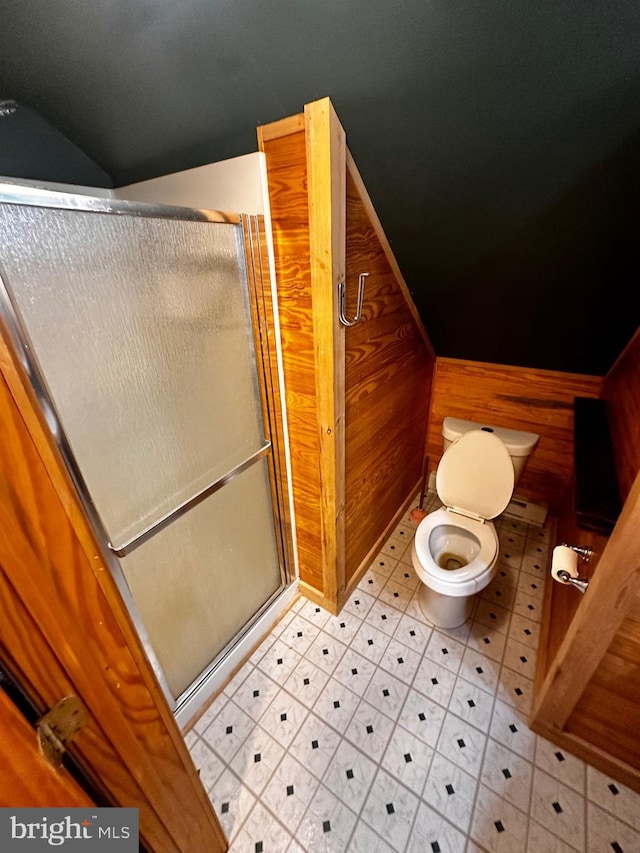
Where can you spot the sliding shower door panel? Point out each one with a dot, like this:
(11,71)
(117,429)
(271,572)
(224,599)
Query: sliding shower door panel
(142,330)
(137,324)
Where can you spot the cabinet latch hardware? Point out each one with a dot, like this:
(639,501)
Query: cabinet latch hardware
(59,726)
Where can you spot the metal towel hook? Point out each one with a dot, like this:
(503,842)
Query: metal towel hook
(341,298)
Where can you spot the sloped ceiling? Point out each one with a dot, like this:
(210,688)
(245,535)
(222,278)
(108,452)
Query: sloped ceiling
(498,140)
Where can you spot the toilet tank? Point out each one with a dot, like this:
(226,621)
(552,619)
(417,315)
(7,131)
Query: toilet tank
(520,444)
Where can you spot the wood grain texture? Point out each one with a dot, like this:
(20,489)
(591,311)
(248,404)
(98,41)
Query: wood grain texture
(388,375)
(63,634)
(622,392)
(367,386)
(285,150)
(539,401)
(326,165)
(27,779)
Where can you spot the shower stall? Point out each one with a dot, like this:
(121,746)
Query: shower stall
(144,331)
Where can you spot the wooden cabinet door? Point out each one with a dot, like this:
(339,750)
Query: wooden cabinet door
(65,630)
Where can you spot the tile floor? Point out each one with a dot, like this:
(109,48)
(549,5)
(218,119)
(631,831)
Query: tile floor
(373,731)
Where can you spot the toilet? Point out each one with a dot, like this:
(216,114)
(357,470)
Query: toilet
(455,550)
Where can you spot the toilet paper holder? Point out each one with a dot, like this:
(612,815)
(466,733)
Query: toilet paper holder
(563,575)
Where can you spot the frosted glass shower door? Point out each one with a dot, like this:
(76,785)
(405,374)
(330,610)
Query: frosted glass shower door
(139,320)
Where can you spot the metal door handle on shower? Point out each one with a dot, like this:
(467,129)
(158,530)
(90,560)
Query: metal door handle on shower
(341,301)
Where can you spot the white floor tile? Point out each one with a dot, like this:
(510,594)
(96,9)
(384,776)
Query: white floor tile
(349,775)
(390,810)
(559,808)
(327,824)
(450,791)
(375,731)
(431,833)
(605,832)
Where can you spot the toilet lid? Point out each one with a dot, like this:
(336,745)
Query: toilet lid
(476,475)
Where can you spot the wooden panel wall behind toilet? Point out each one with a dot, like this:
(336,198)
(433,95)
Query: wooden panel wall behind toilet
(388,374)
(539,401)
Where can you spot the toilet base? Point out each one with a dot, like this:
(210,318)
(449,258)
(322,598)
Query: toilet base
(445,611)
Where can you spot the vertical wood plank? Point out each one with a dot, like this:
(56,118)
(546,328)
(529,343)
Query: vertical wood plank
(326,176)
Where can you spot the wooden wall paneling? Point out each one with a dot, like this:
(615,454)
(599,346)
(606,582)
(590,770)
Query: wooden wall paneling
(65,607)
(27,777)
(389,366)
(283,144)
(589,653)
(326,170)
(622,392)
(539,401)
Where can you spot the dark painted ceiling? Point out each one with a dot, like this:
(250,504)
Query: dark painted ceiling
(498,140)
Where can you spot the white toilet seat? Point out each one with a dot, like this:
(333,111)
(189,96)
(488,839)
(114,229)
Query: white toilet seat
(468,579)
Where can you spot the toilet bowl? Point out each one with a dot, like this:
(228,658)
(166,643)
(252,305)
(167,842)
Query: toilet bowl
(456,549)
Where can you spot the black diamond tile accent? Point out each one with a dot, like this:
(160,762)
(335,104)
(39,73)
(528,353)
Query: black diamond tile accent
(486,640)
(493,616)
(306,682)
(336,704)
(299,633)
(384,617)
(314,744)
(445,651)
(530,607)
(256,693)
(357,601)
(407,757)
(450,789)
(616,847)
(289,790)
(381,563)
(421,717)
(523,659)
(283,717)
(461,743)
(498,593)
(279,661)
(499,825)
(224,808)
(614,790)
(435,847)
(527,632)
(471,703)
(318,609)
(412,633)
(370,642)
(534,586)
(517,691)
(406,574)
(400,660)
(257,757)
(369,730)
(229,730)
(343,625)
(349,773)
(385,693)
(396,595)
(354,671)
(506,773)
(557,807)
(390,808)
(479,670)
(434,680)
(370,580)
(504,574)
(259,848)
(326,826)
(325,651)
(513,728)
(559,756)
